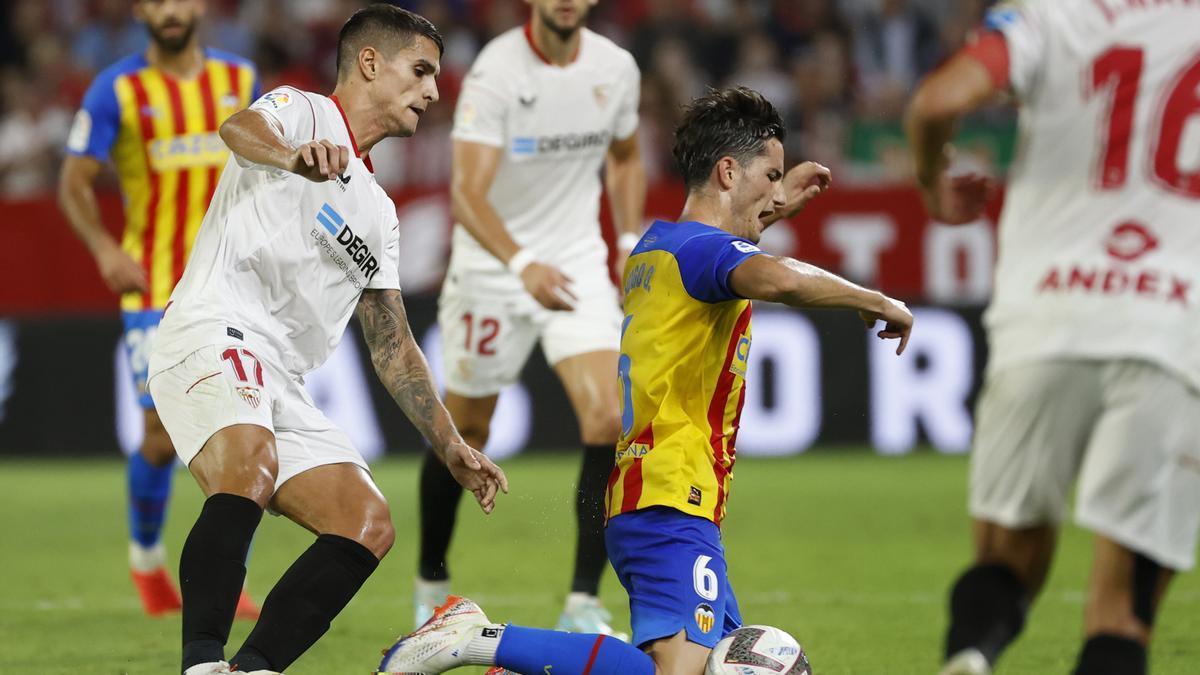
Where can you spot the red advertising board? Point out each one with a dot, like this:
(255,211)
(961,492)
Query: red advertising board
(877,236)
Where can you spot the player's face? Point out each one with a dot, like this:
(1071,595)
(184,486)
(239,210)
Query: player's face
(564,17)
(407,85)
(171,22)
(758,191)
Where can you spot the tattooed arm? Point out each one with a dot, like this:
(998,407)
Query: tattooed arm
(403,370)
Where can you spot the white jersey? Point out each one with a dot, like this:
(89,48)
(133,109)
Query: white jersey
(554,125)
(1099,252)
(280,261)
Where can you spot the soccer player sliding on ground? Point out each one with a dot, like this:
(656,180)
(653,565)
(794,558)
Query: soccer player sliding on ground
(1093,370)
(684,349)
(138,113)
(543,110)
(298,238)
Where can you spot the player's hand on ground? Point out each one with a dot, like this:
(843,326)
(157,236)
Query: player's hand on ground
(898,321)
(476,473)
(320,161)
(121,273)
(956,200)
(802,184)
(549,286)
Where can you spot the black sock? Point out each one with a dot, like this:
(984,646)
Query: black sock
(590,554)
(298,610)
(987,611)
(212,567)
(1111,655)
(439,497)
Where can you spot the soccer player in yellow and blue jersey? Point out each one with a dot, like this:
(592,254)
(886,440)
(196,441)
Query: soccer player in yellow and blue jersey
(155,115)
(684,348)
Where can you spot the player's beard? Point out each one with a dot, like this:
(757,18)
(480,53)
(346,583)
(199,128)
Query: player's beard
(174,45)
(564,33)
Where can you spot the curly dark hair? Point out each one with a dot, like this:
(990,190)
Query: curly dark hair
(735,122)
(385,27)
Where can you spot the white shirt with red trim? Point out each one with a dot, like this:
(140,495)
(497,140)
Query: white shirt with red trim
(554,125)
(280,261)
(1100,235)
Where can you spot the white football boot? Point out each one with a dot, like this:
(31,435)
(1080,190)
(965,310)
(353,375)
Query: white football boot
(583,613)
(441,643)
(969,661)
(427,596)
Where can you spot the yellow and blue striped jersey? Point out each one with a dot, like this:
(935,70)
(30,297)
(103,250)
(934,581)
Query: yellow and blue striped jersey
(685,343)
(161,135)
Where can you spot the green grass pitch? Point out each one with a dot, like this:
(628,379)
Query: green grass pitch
(850,552)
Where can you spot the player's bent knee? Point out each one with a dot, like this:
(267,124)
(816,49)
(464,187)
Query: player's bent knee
(376,533)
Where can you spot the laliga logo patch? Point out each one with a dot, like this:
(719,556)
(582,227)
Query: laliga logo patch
(277,99)
(705,618)
(250,395)
(1130,241)
(741,357)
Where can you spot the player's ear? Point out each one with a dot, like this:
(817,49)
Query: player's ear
(726,172)
(368,63)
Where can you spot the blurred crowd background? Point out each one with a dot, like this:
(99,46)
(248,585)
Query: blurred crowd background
(839,70)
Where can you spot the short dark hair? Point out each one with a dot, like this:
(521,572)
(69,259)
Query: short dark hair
(735,122)
(385,27)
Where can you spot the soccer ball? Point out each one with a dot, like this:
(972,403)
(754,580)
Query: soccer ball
(758,650)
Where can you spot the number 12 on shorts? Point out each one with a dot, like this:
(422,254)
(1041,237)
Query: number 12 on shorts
(489,329)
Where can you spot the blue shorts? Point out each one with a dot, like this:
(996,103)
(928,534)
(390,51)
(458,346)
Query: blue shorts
(673,567)
(140,327)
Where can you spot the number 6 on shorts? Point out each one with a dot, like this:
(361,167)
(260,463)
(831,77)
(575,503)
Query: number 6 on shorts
(705,580)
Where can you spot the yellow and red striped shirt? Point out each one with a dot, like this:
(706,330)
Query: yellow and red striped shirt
(161,135)
(685,344)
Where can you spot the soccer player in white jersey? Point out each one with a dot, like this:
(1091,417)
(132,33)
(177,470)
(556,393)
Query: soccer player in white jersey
(1094,372)
(544,108)
(297,238)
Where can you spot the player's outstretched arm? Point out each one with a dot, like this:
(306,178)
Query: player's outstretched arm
(956,89)
(77,199)
(799,284)
(473,170)
(402,368)
(254,138)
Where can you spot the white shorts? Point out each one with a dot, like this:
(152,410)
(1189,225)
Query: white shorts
(1128,429)
(489,326)
(219,386)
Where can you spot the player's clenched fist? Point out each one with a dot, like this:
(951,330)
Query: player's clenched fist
(476,473)
(896,317)
(548,286)
(803,184)
(320,161)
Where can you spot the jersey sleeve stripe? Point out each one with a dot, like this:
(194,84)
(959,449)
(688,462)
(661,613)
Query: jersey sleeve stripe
(146,126)
(183,177)
(717,407)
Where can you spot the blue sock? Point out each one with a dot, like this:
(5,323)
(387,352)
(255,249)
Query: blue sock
(149,488)
(533,650)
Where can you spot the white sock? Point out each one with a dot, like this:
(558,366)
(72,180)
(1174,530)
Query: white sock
(577,601)
(428,588)
(210,668)
(142,559)
(481,649)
